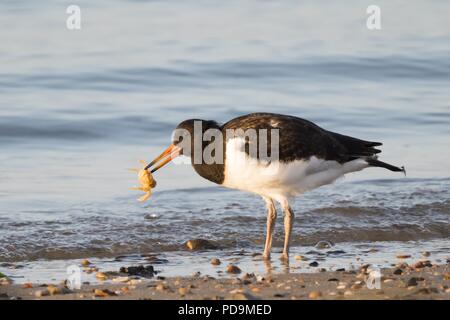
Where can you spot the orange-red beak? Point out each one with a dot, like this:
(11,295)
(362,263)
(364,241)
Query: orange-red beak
(168,155)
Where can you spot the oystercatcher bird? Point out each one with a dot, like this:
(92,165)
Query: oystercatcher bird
(308,157)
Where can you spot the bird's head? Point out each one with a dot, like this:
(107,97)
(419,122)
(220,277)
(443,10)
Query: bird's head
(183,141)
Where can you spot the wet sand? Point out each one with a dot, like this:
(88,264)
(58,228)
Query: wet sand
(419,281)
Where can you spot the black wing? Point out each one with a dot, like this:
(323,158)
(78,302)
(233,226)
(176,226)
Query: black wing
(302,139)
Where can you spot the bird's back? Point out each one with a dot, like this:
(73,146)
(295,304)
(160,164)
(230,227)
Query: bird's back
(309,156)
(302,139)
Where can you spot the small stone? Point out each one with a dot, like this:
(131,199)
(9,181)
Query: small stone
(27,285)
(412,282)
(402,265)
(356,286)
(348,293)
(426,253)
(101,276)
(387,280)
(52,290)
(315,294)
(200,244)
(333,279)
(85,262)
(215,261)
(183,291)
(314,264)
(243,296)
(302,258)
(324,245)
(134,282)
(341,287)
(103,293)
(121,279)
(447,276)
(141,271)
(160,287)
(41,293)
(403,256)
(422,264)
(398,271)
(233,269)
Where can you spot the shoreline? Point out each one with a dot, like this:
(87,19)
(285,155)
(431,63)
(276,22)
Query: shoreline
(422,280)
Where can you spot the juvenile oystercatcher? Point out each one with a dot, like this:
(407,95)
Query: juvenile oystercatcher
(307,157)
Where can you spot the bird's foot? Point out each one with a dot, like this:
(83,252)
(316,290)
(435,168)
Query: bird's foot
(284,256)
(266,256)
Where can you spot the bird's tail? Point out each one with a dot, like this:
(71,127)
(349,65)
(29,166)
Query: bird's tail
(377,163)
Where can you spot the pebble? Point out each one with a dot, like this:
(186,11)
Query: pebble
(398,271)
(200,244)
(134,282)
(341,287)
(183,291)
(315,294)
(324,245)
(243,296)
(41,293)
(356,286)
(160,287)
(101,276)
(403,256)
(314,264)
(140,271)
(85,262)
(426,254)
(248,276)
(302,258)
(215,261)
(412,282)
(52,290)
(421,264)
(103,293)
(121,279)
(90,270)
(233,269)
(348,293)
(27,285)
(447,276)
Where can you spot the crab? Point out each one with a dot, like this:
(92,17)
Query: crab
(146,180)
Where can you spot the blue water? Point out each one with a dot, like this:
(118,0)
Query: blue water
(78,108)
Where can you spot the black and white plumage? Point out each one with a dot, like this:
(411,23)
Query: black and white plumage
(309,157)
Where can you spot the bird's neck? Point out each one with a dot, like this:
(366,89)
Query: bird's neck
(212,172)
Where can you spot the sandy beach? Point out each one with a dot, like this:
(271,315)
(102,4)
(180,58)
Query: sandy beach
(419,281)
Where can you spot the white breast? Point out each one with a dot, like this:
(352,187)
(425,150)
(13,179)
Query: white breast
(279,179)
